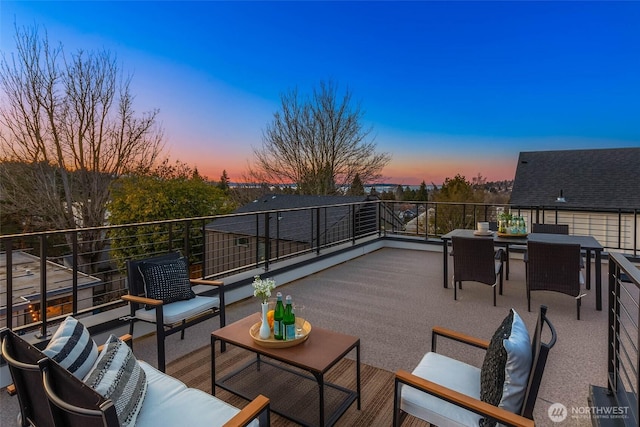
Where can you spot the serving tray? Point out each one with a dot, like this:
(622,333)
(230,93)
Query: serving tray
(512,234)
(271,342)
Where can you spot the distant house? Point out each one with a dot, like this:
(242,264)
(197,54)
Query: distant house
(235,241)
(598,179)
(25,280)
(587,189)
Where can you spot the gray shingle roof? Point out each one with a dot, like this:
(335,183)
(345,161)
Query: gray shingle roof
(292,225)
(596,178)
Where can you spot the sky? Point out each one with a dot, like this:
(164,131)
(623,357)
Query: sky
(446,87)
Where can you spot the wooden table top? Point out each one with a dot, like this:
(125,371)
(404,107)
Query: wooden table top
(321,350)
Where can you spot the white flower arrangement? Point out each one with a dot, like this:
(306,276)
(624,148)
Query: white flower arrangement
(262,288)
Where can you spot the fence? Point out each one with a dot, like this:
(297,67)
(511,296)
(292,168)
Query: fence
(52,274)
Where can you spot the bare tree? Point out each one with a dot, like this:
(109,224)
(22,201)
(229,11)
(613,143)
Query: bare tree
(318,143)
(68,127)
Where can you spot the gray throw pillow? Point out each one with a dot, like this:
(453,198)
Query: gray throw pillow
(166,280)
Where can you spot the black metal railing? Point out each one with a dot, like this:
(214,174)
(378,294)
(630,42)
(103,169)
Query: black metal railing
(51,274)
(623,361)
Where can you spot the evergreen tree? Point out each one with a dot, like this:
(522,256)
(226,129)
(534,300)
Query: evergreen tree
(356,188)
(422,194)
(224,182)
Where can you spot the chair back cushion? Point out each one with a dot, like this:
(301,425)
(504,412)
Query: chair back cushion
(72,347)
(117,376)
(505,370)
(167,280)
(135,282)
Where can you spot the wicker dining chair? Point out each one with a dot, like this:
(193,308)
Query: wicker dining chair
(475,260)
(550,228)
(554,267)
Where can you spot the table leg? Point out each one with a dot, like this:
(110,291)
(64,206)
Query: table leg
(445,261)
(320,379)
(358,373)
(588,268)
(213,365)
(506,273)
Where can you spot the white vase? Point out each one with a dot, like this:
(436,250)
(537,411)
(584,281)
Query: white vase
(265,330)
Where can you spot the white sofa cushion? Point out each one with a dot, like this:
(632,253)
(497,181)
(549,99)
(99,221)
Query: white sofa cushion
(179,310)
(450,373)
(170,403)
(73,348)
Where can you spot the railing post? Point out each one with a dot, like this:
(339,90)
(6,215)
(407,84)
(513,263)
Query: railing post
(613,330)
(8,247)
(620,228)
(74,269)
(426,220)
(317,230)
(267,242)
(352,210)
(257,248)
(277,256)
(635,233)
(204,247)
(186,241)
(43,287)
(170,235)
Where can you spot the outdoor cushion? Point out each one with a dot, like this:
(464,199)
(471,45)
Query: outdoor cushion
(450,373)
(169,402)
(166,280)
(518,366)
(179,310)
(117,375)
(72,347)
(506,366)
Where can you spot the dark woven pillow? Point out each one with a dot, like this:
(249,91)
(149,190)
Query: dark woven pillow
(167,280)
(492,374)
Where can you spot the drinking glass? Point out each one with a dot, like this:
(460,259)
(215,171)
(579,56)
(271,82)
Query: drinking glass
(298,310)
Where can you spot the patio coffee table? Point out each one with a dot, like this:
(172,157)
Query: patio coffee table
(282,374)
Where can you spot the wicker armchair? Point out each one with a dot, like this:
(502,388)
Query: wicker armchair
(475,260)
(554,267)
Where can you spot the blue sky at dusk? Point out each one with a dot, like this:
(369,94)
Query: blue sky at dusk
(448,87)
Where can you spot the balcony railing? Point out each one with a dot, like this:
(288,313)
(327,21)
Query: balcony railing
(620,400)
(52,274)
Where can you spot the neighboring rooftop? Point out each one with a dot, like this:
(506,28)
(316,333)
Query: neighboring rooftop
(294,225)
(597,178)
(26,280)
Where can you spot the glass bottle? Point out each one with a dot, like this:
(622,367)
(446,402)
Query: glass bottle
(289,321)
(278,316)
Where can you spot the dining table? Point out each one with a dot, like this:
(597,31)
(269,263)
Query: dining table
(588,244)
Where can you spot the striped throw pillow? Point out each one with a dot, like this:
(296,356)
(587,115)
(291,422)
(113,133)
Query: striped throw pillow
(118,376)
(73,348)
